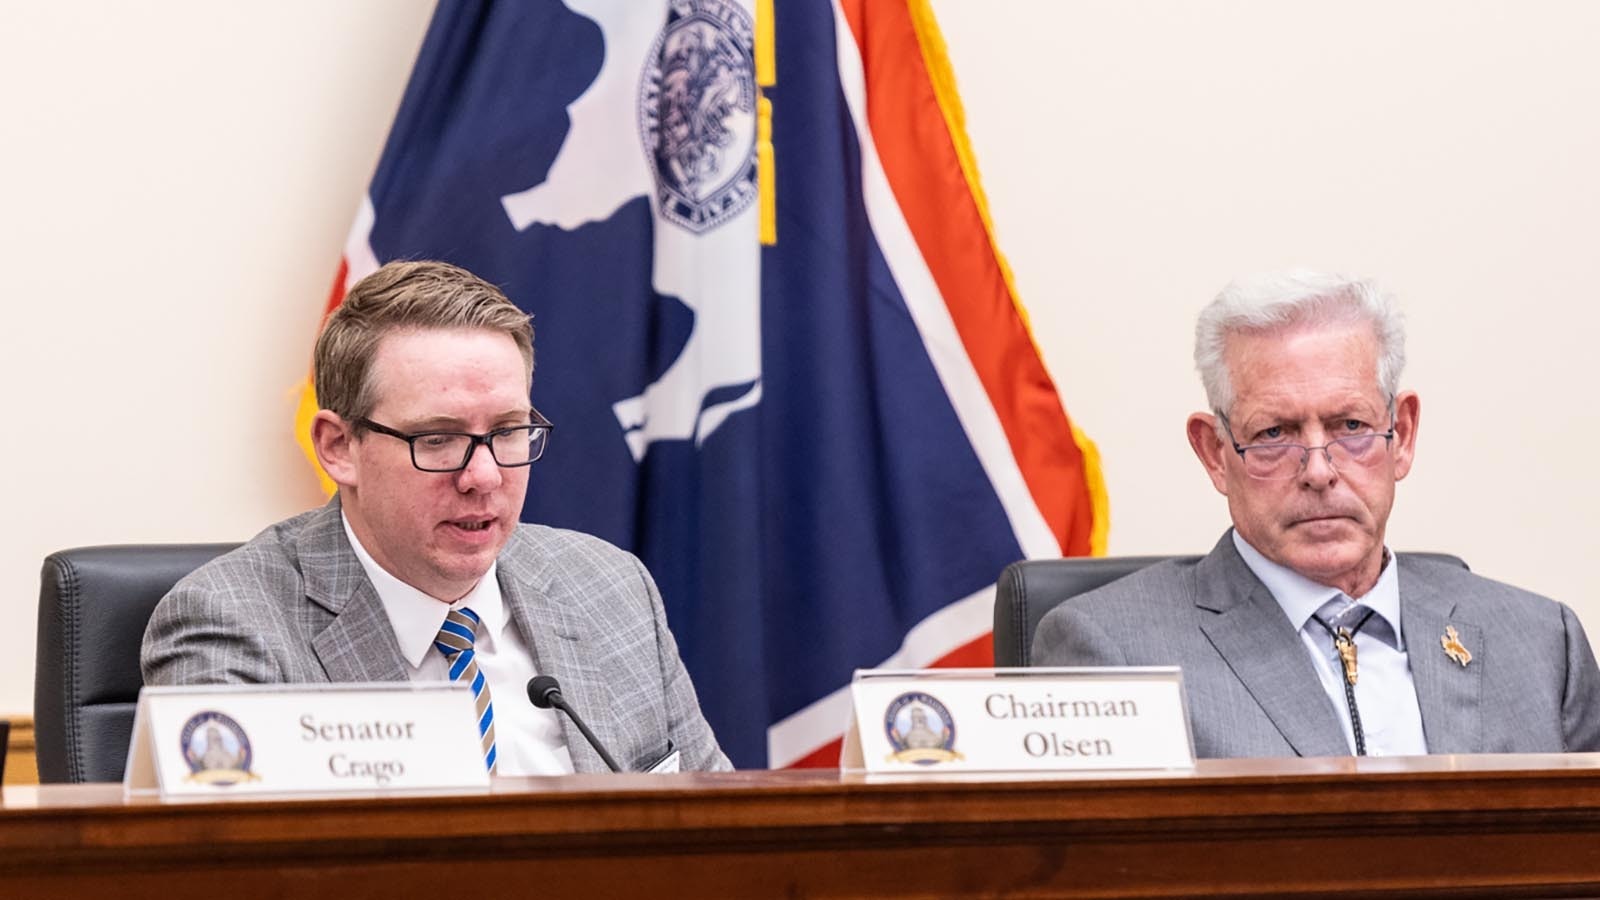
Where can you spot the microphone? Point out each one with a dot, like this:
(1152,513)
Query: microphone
(545,692)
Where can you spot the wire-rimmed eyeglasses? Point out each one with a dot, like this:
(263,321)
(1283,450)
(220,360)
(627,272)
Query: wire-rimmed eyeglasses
(1280,461)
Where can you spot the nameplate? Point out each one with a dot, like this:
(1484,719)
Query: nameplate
(1017,720)
(218,741)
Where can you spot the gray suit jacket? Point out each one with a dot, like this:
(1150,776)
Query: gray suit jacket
(1532,685)
(294,605)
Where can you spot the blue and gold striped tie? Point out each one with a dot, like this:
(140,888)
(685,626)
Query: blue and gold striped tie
(455,642)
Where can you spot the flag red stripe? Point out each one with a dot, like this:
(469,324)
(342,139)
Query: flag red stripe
(924,170)
(336,295)
(978,654)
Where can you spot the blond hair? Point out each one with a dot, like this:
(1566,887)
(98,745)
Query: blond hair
(403,296)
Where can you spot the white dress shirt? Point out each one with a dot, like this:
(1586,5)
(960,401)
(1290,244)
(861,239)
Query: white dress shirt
(1391,721)
(528,740)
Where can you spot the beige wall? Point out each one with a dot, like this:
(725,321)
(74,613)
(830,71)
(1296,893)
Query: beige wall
(177,179)
(1138,154)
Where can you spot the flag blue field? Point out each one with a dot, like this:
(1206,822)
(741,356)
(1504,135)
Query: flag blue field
(783,356)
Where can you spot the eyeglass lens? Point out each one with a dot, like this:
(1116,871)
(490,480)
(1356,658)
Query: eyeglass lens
(1269,461)
(447,452)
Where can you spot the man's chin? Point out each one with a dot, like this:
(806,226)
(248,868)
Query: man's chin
(1327,562)
(462,569)
(470,566)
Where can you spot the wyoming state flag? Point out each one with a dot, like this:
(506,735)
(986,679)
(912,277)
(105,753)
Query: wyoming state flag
(783,356)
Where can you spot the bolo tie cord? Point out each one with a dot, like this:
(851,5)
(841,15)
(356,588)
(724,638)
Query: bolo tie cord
(1344,643)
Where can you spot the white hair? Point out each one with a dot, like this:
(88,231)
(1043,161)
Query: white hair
(1278,300)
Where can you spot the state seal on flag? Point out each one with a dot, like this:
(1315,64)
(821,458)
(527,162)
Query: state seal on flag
(920,729)
(697,113)
(216,749)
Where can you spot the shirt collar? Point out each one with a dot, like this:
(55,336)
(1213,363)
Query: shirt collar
(416,617)
(1300,597)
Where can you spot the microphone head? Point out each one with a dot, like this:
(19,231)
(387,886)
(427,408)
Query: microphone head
(544,691)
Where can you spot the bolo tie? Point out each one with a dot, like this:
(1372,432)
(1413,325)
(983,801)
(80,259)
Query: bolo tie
(1344,643)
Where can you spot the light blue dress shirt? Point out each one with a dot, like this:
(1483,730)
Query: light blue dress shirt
(1391,721)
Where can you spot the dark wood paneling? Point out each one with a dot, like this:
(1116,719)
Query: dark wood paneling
(1435,826)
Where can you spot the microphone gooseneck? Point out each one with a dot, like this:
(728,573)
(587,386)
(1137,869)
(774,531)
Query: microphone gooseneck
(544,691)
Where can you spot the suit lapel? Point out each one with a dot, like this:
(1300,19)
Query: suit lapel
(557,639)
(1249,630)
(1448,693)
(359,644)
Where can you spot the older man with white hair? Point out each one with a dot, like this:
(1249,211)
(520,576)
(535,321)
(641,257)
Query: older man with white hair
(1301,633)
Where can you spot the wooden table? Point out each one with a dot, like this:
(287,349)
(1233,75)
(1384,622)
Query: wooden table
(1465,826)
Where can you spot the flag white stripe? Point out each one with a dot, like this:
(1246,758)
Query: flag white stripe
(962,622)
(359,259)
(956,625)
(932,317)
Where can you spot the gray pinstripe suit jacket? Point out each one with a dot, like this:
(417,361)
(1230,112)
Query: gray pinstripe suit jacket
(294,605)
(1531,687)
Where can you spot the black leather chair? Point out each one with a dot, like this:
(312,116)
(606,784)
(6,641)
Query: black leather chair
(94,603)
(1032,587)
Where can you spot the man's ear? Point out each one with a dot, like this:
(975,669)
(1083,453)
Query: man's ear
(1407,414)
(334,440)
(1208,444)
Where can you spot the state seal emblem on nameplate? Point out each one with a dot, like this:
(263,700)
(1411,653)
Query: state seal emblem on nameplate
(216,749)
(920,729)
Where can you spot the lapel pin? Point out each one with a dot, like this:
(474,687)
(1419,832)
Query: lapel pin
(1453,648)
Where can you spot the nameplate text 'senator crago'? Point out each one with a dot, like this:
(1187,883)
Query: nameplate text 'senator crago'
(217,741)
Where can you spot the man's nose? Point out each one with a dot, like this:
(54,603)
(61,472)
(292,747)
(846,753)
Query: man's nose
(481,473)
(1319,471)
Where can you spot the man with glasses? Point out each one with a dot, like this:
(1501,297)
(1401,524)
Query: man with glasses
(418,568)
(1301,633)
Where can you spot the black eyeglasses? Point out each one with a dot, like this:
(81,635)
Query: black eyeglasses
(1270,462)
(451,451)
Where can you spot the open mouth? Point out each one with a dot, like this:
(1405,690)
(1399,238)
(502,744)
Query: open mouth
(472,524)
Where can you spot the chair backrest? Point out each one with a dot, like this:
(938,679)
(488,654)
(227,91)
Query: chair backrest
(1033,587)
(94,603)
